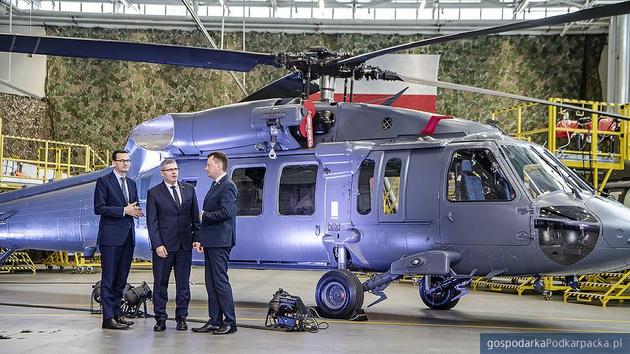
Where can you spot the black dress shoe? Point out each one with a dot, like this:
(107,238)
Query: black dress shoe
(181,325)
(111,324)
(159,326)
(122,320)
(225,329)
(208,327)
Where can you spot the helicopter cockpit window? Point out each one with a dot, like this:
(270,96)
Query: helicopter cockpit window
(297,190)
(475,175)
(391,186)
(249,183)
(366,180)
(536,172)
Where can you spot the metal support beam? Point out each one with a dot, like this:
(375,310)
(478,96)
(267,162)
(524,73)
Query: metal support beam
(5,255)
(22,91)
(618,87)
(202,28)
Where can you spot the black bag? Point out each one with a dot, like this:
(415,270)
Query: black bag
(288,312)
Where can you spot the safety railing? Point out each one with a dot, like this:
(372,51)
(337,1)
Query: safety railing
(28,161)
(570,134)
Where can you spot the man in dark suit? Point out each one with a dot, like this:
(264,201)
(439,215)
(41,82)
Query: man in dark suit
(116,201)
(216,239)
(172,220)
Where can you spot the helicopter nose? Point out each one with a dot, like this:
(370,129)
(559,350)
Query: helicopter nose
(615,220)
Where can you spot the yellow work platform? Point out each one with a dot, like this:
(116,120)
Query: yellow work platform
(595,145)
(516,284)
(609,286)
(18,261)
(79,264)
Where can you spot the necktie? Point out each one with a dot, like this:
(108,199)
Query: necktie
(123,186)
(214,183)
(175,196)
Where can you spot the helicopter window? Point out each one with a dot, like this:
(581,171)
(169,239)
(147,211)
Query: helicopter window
(391,186)
(538,174)
(297,190)
(249,183)
(626,198)
(475,175)
(366,179)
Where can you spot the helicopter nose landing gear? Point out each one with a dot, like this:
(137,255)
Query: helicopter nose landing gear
(440,292)
(339,294)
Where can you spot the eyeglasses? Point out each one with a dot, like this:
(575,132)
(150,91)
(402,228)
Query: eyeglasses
(123,161)
(170,169)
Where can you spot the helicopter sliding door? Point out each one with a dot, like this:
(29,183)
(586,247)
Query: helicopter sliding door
(279,212)
(380,215)
(479,205)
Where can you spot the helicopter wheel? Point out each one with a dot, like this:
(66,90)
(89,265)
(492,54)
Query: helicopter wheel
(439,300)
(339,294)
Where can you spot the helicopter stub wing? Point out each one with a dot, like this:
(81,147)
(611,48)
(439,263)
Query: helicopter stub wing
(132,51)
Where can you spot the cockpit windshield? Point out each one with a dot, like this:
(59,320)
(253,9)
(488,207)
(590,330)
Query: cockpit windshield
(538,172)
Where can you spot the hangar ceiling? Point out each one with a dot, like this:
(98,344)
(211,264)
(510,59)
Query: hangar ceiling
(321,16)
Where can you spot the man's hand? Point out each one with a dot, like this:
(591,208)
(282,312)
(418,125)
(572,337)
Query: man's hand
(161,252)
(134,210)
(197,246)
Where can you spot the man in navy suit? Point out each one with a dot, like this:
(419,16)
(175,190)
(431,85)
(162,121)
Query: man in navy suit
(172,220)
(116,201)
(216,239)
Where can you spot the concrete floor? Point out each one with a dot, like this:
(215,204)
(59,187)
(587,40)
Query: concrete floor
(400,324)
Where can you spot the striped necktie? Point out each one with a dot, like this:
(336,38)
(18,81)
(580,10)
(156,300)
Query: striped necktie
(123,186)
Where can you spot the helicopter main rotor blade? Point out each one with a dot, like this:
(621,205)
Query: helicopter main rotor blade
(582,15)
(288,86)
(472,89)
(142,52)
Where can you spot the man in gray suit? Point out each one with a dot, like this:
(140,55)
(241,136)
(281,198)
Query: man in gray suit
(215,239)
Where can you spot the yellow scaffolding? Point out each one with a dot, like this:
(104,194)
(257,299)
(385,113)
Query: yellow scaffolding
(596,159)
(603,287)
(53,160)
(78,263)
(18,261)
(500,284)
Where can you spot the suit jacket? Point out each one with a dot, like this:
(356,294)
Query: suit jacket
(168,224)
(109,202)
(218,223)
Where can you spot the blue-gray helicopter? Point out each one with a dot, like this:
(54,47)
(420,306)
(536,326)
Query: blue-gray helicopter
(347,186)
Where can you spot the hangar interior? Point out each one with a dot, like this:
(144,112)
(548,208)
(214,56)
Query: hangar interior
(62,115)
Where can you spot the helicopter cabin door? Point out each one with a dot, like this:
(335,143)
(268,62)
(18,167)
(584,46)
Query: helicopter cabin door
(392,185)
(480,204)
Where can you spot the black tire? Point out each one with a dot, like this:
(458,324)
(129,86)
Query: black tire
(441,300)
(339,294)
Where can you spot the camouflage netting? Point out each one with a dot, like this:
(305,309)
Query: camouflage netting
(23,116)
(97,102)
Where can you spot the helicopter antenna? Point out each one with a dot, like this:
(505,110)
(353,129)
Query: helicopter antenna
(307,90)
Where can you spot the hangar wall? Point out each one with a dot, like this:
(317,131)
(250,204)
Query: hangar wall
(98,102)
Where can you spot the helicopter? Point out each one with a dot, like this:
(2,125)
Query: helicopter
(346,186)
